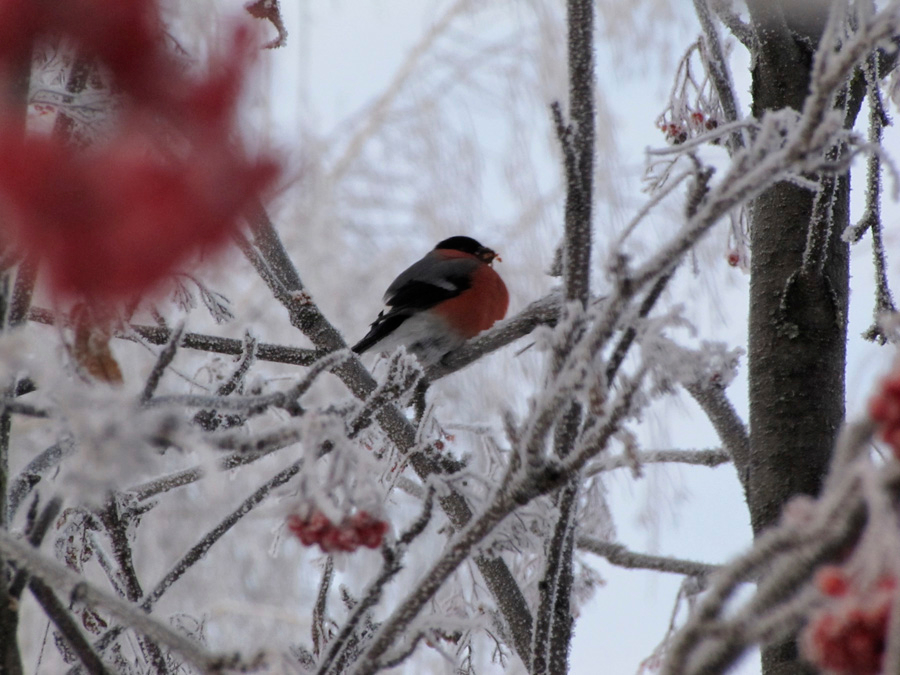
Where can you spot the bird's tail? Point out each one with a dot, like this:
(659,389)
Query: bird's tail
(383,326)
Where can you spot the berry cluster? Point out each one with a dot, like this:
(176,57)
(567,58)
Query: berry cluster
(360,529)
(696,122)
(884,409)
(847,636)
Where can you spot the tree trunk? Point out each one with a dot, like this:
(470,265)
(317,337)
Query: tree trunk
(798,326)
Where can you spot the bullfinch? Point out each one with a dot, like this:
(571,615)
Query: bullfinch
(435,305)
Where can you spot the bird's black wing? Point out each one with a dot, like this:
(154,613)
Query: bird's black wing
(423,285)
(430,281)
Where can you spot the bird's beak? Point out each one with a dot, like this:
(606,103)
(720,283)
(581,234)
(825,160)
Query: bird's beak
(489,256)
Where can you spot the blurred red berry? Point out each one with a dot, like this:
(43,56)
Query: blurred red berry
(361,529)
(370,531)
(884,409)
(832,581)
(848,635)
(111,221)
(734,258)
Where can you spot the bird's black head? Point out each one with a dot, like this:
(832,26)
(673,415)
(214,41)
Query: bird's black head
(468,245)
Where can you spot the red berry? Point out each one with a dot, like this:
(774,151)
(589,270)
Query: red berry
(832,581)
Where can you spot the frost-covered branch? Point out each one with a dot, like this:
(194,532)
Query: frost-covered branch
(733,22)
(158,335)
(459,549)
(79,590)
(766,161)
(22,292)
(717,66)
(727,423)
(552,627)
(50,603)
(711,458)
(392,558)
(287,400)
(542,312)
(165,358)
(57,612)
(210,420)
(619,555)
(871,219)
(317,628)
(526,481)
(784,558)
(579,170)
(34,471)
(200,548)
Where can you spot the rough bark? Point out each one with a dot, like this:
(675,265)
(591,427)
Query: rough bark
(798,328)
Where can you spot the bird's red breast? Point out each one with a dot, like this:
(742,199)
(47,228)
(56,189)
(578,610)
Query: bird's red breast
(480,306)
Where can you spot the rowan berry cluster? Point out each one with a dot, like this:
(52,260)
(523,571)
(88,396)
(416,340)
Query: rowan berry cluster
(847,636)
(677,132)
(360,529)
(884,409)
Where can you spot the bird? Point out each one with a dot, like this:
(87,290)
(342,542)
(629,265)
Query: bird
(436,304)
